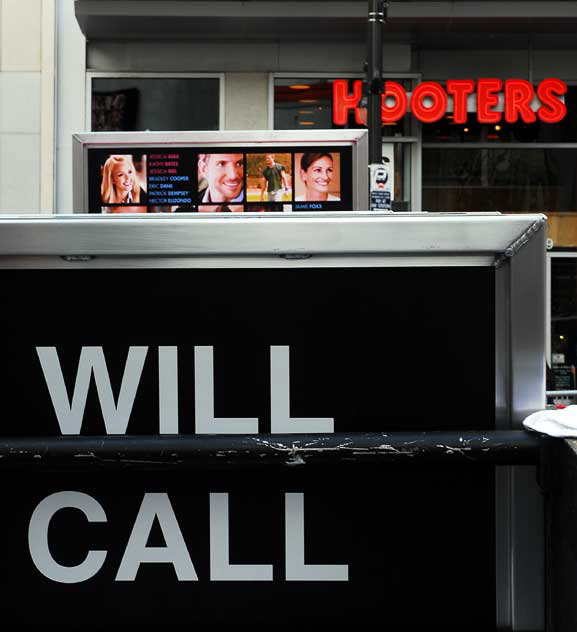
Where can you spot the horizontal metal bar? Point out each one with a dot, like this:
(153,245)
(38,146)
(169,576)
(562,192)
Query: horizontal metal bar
(248,261)
(561,393)
(498,447)
(165,235)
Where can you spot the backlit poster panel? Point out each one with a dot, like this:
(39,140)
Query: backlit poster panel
(232,179)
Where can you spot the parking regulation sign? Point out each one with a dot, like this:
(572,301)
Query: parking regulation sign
(380,183)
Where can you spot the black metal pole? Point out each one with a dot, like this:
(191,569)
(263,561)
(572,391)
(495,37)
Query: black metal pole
(376,20)
(175,451)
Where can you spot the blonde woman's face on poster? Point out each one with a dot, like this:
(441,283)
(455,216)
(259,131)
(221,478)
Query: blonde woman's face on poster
(123,177)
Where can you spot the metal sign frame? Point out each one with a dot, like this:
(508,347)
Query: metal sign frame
(514,245)
(357,139)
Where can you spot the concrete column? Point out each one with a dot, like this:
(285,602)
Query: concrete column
(70,99)
(246,101)
(47,106)
(20,105)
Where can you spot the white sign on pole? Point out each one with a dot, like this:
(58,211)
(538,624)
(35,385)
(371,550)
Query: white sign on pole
(381,177)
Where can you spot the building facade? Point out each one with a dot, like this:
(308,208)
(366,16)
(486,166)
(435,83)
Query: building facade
(71,66)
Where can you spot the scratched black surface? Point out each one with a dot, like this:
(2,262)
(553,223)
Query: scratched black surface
(377,349)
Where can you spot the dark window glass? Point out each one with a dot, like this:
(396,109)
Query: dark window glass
(499,179)
(563,324)
(402,182)
(171,104)
(445,130)
(303,104)
(307,104)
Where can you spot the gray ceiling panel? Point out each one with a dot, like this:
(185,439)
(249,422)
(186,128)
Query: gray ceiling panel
(325,20)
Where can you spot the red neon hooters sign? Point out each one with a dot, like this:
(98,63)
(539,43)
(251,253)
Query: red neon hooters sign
(429,101)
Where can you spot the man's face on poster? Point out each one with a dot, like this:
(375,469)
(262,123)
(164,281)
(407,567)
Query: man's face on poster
(224,174)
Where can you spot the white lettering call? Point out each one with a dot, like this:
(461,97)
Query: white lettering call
(158,506)
(175,552)
(70,414)
(220,567)
(38,537)
(296,569)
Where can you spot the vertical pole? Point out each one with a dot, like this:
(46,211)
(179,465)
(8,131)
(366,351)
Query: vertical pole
(375,77)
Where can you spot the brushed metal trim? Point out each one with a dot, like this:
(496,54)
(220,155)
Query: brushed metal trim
(358,139)
(503,483)
(356,239)
(527,374)
(424,234)
(218,261)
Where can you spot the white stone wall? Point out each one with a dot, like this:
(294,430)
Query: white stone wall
(27,33)
(246,100)
(70,99)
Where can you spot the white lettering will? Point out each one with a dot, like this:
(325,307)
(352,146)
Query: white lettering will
(70,411)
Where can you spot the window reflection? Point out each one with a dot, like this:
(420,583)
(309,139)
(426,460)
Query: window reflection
(307,104)
(563,324)
(154,104)
(500,179)
(446,130)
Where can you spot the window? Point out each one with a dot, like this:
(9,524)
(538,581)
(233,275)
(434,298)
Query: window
(563,325)
(520,167)
(305,102)
(155,103)
(446,130)
(503,179)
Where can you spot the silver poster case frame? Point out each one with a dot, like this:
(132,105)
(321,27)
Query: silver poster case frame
(357,139)
(514,245)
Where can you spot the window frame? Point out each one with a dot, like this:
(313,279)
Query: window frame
(565,254)
(413,139)
(504,145)
(155,75)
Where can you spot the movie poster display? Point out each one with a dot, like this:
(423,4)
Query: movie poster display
(232,179)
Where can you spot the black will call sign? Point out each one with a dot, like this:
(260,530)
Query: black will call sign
(248,351)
